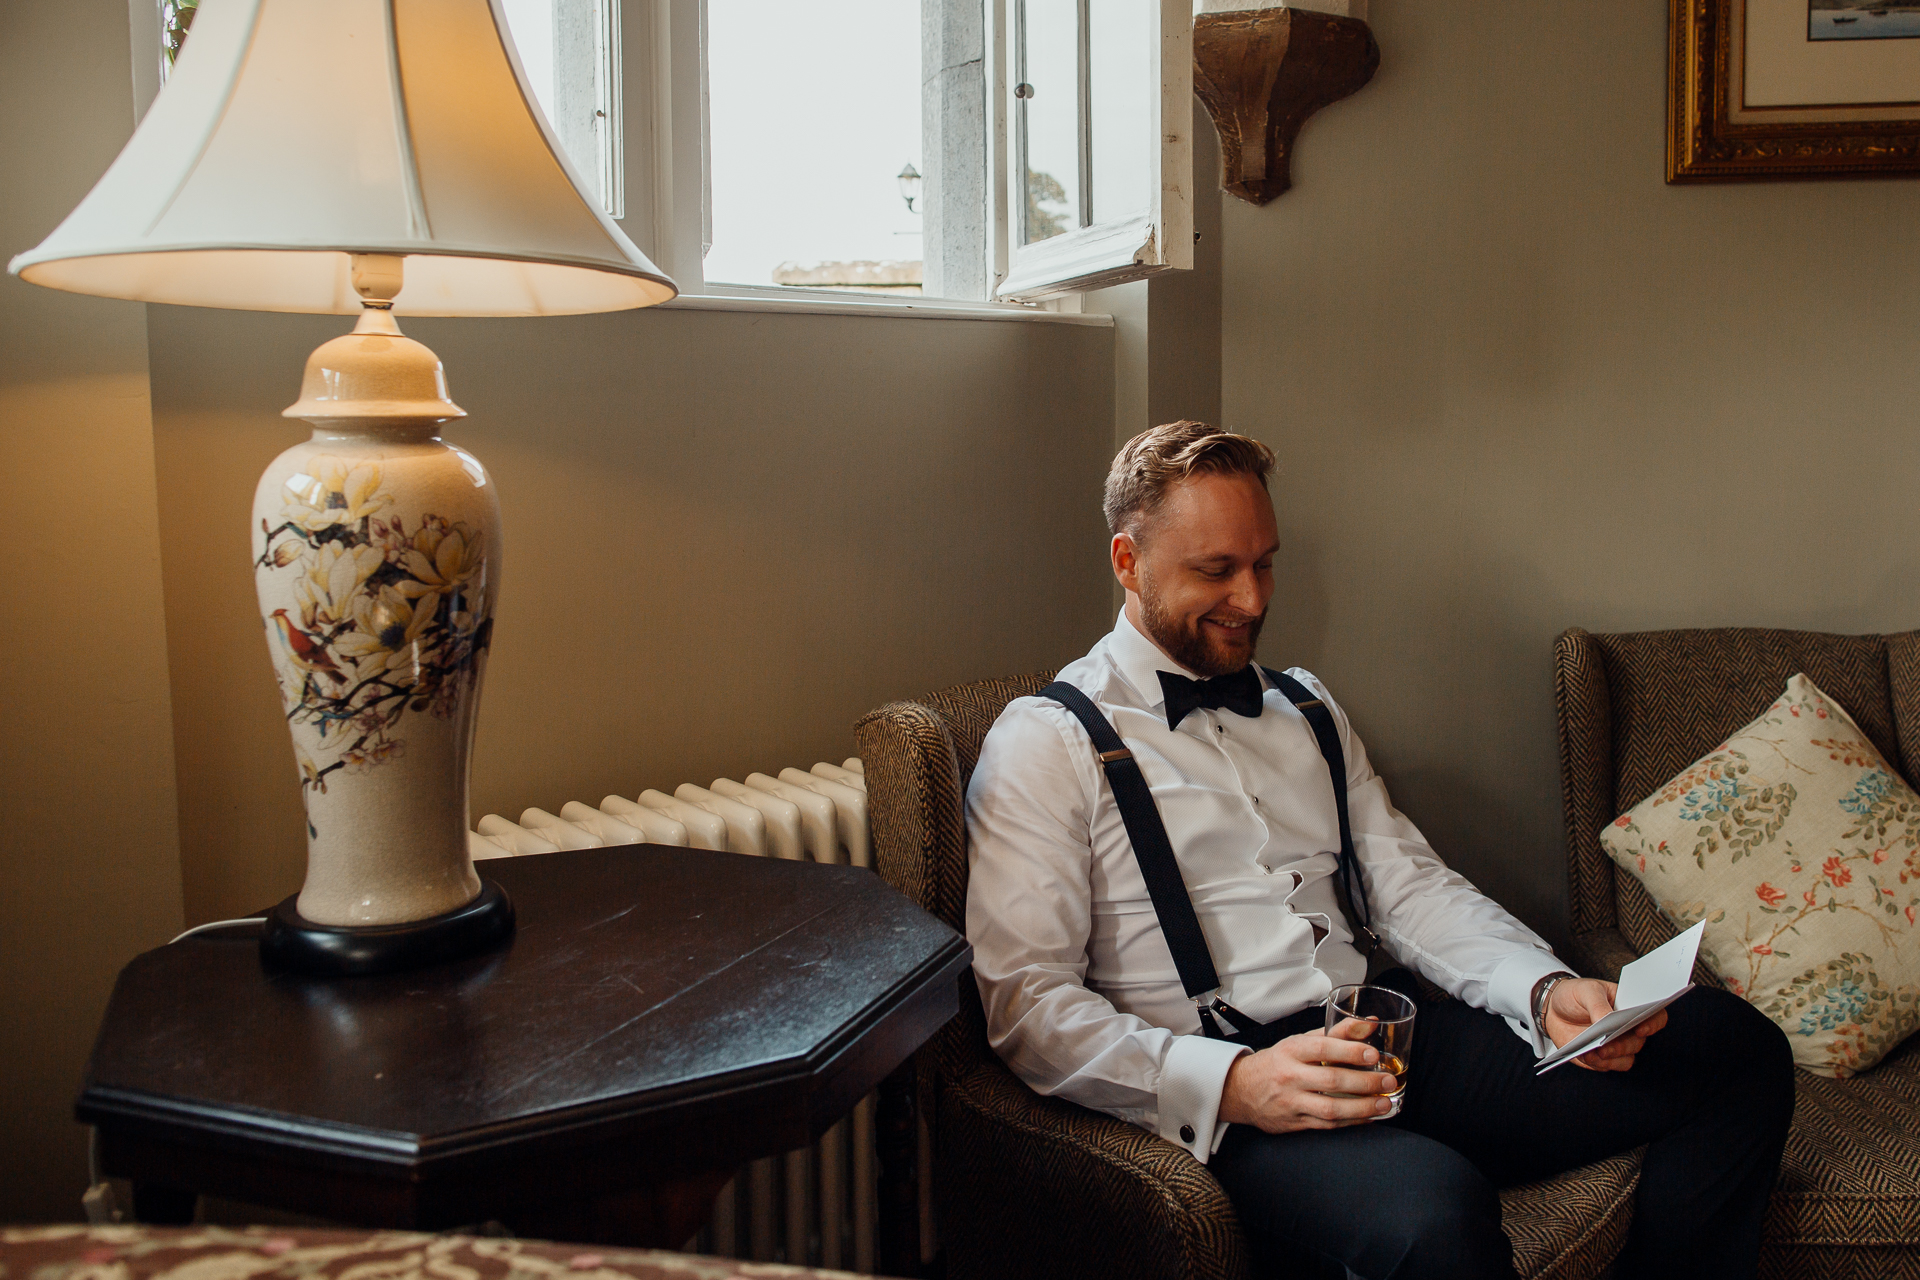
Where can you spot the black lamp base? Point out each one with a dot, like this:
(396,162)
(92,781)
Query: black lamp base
(290,941)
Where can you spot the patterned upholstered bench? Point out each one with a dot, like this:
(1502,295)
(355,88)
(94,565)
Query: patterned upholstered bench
(1636,709)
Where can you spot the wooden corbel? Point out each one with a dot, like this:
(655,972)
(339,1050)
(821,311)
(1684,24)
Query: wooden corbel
(1262,72)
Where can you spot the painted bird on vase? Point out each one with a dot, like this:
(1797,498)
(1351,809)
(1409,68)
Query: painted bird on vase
(306,653)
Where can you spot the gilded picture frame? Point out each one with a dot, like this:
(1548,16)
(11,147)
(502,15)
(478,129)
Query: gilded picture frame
(1768,89)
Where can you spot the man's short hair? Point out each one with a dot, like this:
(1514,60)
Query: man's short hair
(1157,459)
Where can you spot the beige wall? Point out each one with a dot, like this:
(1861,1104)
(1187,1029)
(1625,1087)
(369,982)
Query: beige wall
(89,868)
(1519,384)
(727,536)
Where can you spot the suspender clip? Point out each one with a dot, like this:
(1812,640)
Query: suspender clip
(1315,702)
(1212,1007)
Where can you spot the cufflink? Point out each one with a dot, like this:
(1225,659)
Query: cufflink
(1186,1134)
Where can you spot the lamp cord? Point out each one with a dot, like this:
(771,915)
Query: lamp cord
(219,924)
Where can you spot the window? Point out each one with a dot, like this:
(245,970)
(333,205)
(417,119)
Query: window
(971,150)
(1101,158)
(871,145)
(176,19)
(570,51)
(813,116)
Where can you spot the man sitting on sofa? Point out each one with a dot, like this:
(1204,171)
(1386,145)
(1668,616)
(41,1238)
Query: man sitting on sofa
(1087,997)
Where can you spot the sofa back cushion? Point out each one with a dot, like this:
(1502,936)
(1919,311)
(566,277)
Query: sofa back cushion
(1635,708)
(1797,845)
(1677,694)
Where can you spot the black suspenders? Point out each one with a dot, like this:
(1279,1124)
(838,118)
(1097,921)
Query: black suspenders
(1161,868)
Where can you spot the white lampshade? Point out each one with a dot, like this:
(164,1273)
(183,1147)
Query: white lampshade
(292,133)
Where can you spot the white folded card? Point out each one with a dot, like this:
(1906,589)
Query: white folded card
(1647,986)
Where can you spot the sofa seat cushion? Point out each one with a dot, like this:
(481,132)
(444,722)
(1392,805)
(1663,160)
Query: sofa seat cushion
(1573,1225)
(1851,1173)
(1798,846)
(1111,1176)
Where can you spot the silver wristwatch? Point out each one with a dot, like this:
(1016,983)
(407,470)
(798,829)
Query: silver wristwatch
(1543,992)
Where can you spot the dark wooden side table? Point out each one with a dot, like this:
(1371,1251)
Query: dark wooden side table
(662,1016)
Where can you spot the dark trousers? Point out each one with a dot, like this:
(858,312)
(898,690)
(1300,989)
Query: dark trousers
(1415,1197)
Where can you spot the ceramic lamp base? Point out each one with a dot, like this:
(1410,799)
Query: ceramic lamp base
(377,571)
(290,941)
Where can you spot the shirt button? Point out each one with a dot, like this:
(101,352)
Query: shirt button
(1186,1133)
(1256,799)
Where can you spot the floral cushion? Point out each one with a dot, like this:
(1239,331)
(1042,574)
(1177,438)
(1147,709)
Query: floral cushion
(1800,847)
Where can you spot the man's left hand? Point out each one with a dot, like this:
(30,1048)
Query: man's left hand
(1576,1004)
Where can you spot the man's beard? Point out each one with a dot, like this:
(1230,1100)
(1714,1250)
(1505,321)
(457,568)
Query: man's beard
(1188,646)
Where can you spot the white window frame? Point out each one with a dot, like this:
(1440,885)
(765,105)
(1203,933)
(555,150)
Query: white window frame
(669,198)
(1104,253)
(587,112)
(658,119)
(602,138)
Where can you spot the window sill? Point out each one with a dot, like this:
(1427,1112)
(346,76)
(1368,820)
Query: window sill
(823,302)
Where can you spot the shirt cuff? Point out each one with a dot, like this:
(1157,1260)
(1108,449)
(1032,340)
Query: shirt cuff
(1191,1082)
(1510,992)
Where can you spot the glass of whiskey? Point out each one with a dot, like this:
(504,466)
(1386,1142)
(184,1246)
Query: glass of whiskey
(1388,1016)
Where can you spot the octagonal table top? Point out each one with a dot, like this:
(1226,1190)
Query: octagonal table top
(680,1008)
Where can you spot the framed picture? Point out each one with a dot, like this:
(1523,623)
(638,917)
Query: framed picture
(1760,89)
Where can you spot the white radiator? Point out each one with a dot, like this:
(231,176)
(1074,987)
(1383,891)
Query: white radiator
(815,1206)
(820,816)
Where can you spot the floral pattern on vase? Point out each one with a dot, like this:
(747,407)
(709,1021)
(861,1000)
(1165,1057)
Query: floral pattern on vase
(390,620)
(1799,846)
(375,568)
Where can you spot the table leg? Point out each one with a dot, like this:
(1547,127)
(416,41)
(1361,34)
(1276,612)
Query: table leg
(896,1134)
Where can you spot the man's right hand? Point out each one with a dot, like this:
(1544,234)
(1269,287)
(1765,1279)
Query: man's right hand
(1285,1088)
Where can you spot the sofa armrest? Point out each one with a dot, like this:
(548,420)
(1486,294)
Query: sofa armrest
(1602,953)
(1033,1186)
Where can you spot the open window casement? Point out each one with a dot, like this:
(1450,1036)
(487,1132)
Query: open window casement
(1096,117)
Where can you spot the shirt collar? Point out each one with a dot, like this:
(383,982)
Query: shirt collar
(1140,662)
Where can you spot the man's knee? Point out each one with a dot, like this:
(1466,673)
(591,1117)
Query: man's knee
(1450,1196)
(1380,1200)
(1735,1058)
(1741,1039)
(1447,1224)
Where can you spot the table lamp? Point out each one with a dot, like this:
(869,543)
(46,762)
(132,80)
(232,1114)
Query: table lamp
(379,157)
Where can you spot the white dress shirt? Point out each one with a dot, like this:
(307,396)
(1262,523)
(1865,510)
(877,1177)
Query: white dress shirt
(1082,997)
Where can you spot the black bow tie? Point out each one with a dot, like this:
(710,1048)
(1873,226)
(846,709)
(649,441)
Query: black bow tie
(1238,693)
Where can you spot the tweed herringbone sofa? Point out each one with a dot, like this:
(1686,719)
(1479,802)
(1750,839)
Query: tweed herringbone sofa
(1040,1187)
(1636,709)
